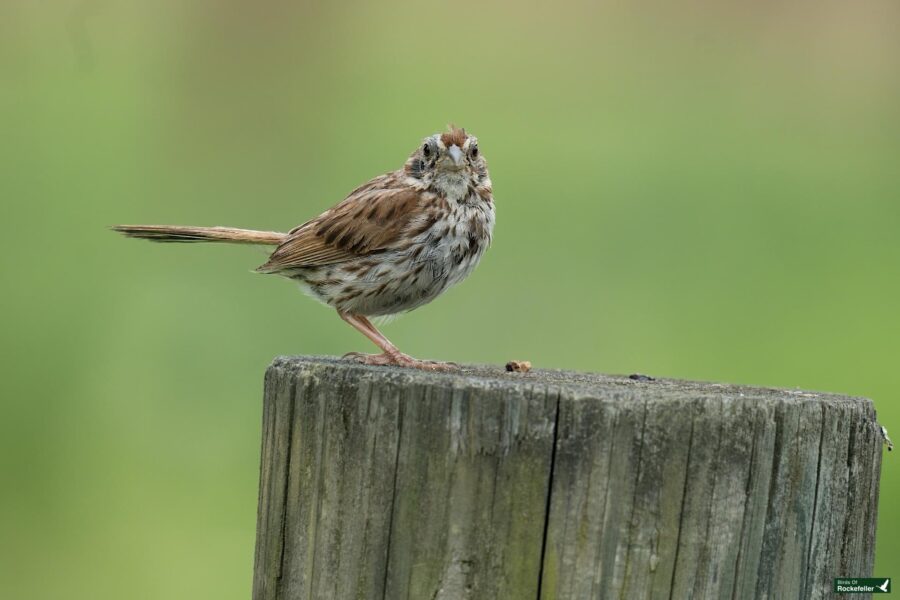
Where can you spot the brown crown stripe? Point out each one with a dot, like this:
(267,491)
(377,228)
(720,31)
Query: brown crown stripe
(454,136)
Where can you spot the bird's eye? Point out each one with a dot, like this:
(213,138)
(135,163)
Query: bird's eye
(426,150)
(474,151)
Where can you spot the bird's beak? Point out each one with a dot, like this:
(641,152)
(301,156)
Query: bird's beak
(456,155)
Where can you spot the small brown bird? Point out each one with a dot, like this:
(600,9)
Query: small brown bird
(394,244)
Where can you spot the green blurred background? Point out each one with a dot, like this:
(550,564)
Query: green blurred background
(690,189)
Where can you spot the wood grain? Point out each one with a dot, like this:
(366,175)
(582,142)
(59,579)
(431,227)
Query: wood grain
(395,484)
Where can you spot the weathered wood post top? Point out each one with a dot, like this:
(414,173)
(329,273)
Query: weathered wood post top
(385,483)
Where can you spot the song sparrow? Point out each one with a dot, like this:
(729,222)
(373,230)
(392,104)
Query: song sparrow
(394,244)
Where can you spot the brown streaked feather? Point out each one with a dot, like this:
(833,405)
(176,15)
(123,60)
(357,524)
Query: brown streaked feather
(456,136)
(371,219)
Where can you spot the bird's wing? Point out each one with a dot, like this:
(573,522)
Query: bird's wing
(371,219)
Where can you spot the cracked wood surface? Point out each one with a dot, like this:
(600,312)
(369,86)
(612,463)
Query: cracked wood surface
(383,483)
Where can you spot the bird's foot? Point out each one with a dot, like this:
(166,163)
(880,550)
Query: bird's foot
(401,360)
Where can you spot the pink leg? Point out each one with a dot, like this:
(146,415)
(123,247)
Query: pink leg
(390,355)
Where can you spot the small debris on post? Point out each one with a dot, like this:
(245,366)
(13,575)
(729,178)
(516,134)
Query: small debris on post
(518,366)
(641,377)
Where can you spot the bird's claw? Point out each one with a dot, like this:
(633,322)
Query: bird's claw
(401,360)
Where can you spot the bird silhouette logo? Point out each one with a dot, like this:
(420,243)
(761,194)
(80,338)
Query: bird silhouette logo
(884,586)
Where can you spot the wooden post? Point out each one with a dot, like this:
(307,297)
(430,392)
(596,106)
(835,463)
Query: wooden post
(383,483)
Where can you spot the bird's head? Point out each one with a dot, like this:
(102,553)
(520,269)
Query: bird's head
(448,162)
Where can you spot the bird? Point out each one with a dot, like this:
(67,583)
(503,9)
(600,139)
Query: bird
(393,244)
(884,586)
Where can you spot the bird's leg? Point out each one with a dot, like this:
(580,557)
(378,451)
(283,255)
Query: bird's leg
(390,355)
(362,324)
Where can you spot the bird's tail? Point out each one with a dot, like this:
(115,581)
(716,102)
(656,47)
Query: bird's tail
(180,233)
